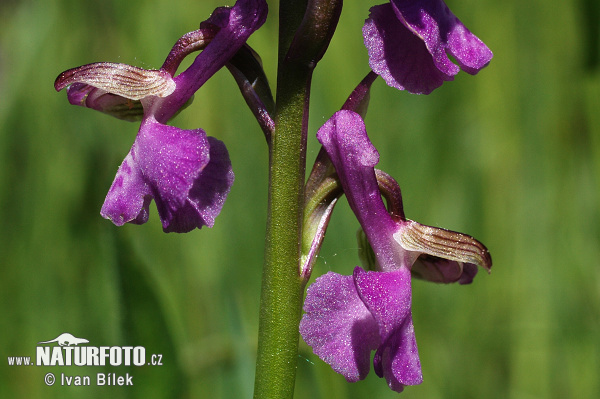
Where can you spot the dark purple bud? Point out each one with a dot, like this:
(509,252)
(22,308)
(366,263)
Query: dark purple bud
(315,32)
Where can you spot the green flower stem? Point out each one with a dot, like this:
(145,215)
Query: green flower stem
(282,287)
(305,29)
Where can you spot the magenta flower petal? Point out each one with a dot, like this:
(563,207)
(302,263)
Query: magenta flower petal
(442,32)
(439,270)
(338,326)
(409,42)
(388,298)
(207,195)
(170,165)
(127,199)
(113,104)
(348,316)
(345,139)
(354,158)
(398,56)
(235,25)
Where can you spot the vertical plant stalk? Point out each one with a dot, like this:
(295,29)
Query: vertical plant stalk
(282,287)
(305,30)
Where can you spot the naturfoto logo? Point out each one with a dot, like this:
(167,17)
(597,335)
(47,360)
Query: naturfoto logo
(68,353)
(69,350)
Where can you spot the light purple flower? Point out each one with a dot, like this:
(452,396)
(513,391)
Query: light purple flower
(409,42)
(187,174)
(349,316)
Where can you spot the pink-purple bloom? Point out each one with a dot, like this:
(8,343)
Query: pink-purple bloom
(187,173)
(409,42)
(349,316)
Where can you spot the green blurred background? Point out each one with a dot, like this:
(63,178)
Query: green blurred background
(511,156)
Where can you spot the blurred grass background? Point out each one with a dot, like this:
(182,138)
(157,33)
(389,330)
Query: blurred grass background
(511,156)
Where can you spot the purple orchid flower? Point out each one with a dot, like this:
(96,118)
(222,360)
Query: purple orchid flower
(349,316)
(409,40)
(188,174)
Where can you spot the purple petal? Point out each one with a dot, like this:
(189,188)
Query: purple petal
(174,167)
(408,42)
(91,97)
(442,32)
(219,19)
(185,45)
(338,326)
(208,194)
(399,56)
(388,298)
(436,270)
(237,24)
(345,139)
(439,270)
(469,272)
(126,200)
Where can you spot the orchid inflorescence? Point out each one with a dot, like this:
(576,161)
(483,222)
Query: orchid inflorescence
(189,174)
